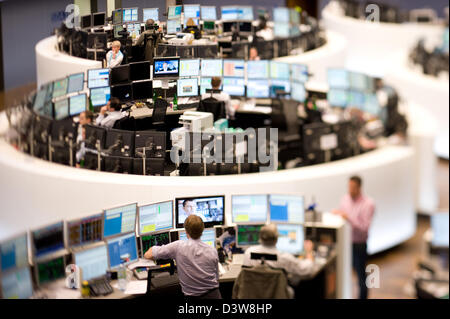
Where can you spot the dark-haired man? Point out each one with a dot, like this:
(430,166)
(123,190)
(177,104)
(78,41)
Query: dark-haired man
(358,210)
(113,107)
(197,262)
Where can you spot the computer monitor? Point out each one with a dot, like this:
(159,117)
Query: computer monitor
(258,89)
(234,86)
(338,78)
(17,284)
(130,15)
(76,83)
(279,85)
(371,104)
(98,78)
(155,217)
(174,12)
(119,220)
(227,27)
(299,73)
(294,16)
(192,11)
(50,270)
(99,19)
(47,239)
(117,16)
(100,96)
(122,250)
(358,81)
(248,235)
(245,13)
(190,67)
(122,91)
(356,99)
(281,14)
(281,30)
(187,87)
(86,21)
(117,29)
(85,230)
(153,141)
(210,208)
(134,29)
(60,87)
(229,13)
(440,230)
(209,26)
(258,69)
(234,67)
(139,71)
(150,13)
(208,13)
(249,208)
(61,109)
(173,26)
(120,74)
(14,253)
(211,67)
(39,99)
(208,236)
(287,209)
(95,133)
(77,104)
(156,239)
(245,27)
(205,84)
(298,92)
(290,238)
(142,90)
(166,67)
(93,262)
(337,97)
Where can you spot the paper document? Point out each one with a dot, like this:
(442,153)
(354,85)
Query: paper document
(136,287)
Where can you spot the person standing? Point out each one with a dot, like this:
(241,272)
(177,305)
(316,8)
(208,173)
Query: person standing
(358,210)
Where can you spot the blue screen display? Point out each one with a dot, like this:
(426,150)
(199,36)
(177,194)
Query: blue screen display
(122,249)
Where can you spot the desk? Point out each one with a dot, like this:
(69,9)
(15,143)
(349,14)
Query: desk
(147,112)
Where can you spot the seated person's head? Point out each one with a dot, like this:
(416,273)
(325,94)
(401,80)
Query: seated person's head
(190,23)
(114,104)
(194,226)
(115,46)
(253,53)
(86,117)
(268,235)
(149,24)
(216,82)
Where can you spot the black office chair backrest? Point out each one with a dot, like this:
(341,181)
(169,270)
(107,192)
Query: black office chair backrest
(212,105)
(159,111)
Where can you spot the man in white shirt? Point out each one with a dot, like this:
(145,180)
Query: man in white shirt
(108,120)
(222,96)
(114,57)
(294,267)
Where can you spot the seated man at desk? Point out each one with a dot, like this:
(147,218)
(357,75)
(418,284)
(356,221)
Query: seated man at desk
(313,114)
(152,39)
(253,54)
(192,28)
(268,237)
(222,96)
(113,107)
(197,262)
(114,57)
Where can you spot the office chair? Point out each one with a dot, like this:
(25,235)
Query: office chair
(212,105)
(159,112)
(261,281)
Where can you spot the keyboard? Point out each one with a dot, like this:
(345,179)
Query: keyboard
(100,287)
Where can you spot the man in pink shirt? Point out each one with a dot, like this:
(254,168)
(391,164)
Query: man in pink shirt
(358,210)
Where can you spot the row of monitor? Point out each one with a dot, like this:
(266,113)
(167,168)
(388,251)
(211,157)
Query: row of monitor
(108,239)
(95,260)
(352,89)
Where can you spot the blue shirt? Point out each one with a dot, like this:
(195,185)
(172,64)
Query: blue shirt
(197,264)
